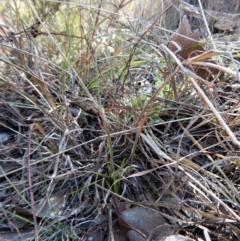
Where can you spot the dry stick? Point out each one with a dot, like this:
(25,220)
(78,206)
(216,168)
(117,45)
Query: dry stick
(192,76)
(196,60)
(30,182)
(211,65)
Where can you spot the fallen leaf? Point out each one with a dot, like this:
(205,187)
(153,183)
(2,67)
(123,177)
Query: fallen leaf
(189,42)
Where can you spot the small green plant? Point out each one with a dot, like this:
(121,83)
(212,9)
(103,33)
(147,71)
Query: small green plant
(116,177)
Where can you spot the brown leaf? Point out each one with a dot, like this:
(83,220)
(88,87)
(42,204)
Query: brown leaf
(189,42)
(23,215)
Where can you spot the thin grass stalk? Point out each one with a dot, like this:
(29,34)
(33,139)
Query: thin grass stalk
(30,182)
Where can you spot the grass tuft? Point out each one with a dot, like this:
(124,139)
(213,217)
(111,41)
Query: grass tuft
(95,107)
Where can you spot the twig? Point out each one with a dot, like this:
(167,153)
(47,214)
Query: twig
(30,182)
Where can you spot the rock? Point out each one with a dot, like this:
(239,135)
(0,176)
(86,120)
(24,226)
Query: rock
(147,221)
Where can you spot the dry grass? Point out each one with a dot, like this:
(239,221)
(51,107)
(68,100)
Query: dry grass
(77,128)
